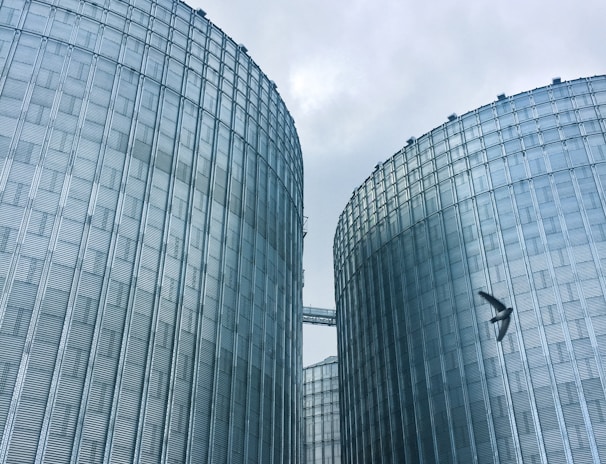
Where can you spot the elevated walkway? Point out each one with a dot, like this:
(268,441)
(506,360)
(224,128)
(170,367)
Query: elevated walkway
(319,316)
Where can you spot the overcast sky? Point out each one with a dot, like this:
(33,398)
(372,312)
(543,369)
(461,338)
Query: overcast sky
(361,76)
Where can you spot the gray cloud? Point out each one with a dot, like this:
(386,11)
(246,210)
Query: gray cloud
(361,76)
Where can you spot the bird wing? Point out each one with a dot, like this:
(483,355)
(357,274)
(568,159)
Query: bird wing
(493,301)
(503,329)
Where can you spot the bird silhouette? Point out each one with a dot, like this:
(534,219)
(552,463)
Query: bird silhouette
(503,314)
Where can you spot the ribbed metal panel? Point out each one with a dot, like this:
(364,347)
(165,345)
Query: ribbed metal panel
(146,165)
(504,199)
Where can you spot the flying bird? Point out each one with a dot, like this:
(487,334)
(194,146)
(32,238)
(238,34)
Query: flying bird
(503,314)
